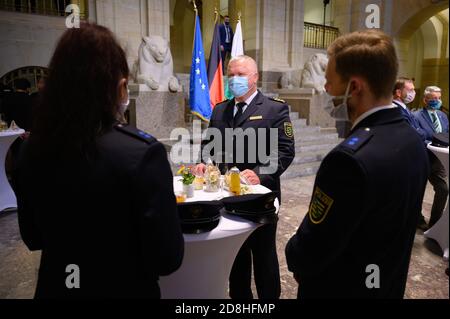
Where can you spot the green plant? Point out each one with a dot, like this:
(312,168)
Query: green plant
(188,177)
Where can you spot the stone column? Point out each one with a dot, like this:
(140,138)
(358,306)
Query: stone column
(295,53)
(343,15)
(273,33)
(158,18)
(402,46)
(251,28)
(122,18)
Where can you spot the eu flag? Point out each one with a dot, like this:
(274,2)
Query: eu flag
(198,88)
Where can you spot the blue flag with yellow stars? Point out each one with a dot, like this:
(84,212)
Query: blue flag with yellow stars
(198,88)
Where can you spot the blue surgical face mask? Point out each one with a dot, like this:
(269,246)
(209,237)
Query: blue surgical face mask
(434,104)
(238,85)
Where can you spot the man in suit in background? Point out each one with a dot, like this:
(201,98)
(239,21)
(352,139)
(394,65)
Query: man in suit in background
(226,39)
(432,120)
(403,94)
(17,105)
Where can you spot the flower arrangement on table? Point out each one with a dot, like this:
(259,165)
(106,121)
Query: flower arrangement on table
(188,179)
(212,178)
(186,173)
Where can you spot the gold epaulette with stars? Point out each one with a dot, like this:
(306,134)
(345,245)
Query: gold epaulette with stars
(277,100)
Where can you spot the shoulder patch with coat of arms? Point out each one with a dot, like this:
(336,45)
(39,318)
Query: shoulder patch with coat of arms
(288,129)
(320,206)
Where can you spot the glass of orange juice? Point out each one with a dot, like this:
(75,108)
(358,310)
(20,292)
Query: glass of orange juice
(180,196)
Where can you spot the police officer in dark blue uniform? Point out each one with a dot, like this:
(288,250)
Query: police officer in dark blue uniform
(357,237)
(94,195)
(252,111)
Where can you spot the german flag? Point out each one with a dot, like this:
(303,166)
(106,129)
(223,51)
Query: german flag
(215,70)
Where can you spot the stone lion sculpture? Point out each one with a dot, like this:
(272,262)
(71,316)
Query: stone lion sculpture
(291,79)
(313,75)
(155,65)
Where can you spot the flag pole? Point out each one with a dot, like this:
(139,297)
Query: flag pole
(195,23)
(216,13)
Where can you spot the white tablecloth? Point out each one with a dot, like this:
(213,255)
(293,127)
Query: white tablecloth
(7,196)
(439,231)
(208,257)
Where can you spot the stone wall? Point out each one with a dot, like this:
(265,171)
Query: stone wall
(308,105)
(158,113)
(130,20)
(27,40)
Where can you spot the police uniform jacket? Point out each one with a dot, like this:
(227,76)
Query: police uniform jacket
(363,213)
(262,113)
(114,217)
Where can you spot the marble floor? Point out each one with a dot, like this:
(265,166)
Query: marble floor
(426,279)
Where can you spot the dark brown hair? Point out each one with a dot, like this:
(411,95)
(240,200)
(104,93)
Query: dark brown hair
(81,94)
(400,84)
(369,54)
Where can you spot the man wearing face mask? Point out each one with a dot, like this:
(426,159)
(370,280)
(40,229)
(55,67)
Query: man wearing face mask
(226,39)
(251,110)
(432,120)
(357,237)
(403,94)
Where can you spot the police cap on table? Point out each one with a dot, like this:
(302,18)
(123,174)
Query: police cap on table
(258,208)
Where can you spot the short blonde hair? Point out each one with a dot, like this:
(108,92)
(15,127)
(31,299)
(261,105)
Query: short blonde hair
(246,59)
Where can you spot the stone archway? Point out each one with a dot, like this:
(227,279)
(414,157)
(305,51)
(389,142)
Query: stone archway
(417,13)
(31,73)
(421,37)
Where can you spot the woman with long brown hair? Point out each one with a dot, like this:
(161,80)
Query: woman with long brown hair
(94,195)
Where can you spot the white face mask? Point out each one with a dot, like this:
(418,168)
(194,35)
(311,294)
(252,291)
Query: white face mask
(339,112)
(409,97)
(124,105)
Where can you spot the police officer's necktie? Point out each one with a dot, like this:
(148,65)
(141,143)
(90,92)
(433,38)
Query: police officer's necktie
(435,120)
(240,107)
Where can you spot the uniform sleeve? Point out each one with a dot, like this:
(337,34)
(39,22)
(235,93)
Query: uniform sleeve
(155,204)
(335,211)
(29,229)
(286,146)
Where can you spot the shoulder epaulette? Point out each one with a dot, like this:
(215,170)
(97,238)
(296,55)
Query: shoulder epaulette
(277,100)
(359,138)
(134,132)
